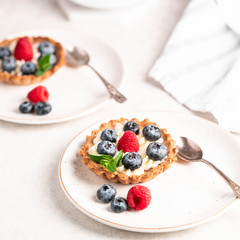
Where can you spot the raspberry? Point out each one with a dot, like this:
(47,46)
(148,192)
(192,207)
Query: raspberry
(128,142)
(139,197)
(23,50)
(38,94)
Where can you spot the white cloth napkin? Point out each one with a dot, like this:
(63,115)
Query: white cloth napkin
(200,65)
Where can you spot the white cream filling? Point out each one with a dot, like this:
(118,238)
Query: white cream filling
(143,144)
(19,63)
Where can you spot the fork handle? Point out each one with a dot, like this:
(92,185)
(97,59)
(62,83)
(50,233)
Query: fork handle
(114,93)
(231,183)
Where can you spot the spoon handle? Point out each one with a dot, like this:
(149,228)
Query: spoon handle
(232,184)
(117,96)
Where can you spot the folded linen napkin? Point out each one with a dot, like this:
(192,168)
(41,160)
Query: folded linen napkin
(200,65)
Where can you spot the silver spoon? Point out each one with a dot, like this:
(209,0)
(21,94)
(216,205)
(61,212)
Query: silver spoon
(190,151)
(77,57)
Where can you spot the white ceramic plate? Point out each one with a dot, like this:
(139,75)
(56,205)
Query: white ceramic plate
(106,4)
(184,196)
(74,92)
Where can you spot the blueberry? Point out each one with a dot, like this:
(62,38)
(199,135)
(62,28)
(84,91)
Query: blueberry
(119,205)
(132,161)
(107,148)
(156,151)
(109,135)
(26,107)
(4,52)
(9,64)
(152,132)
(28,68)
(106,193)
(53,58)
(131,126)
(42,108)
(46,48)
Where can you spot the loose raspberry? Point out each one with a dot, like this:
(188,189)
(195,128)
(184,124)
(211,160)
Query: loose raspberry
(23,50)
(38,94)
(139,197)
(128,142)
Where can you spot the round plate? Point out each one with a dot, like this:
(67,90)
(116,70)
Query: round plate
(186,195)
(74,92)
(106,4)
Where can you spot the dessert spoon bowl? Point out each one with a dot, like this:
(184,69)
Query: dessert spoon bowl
(190,151)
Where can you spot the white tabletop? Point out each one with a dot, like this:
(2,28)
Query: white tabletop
(33,205)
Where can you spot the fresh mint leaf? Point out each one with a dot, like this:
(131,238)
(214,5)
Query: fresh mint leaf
(105,165)
(98,157)
(118,158)
(104,161)
(44,62)
(107,157)
(44,65)
(39,72)
(95,158)
(107,161)
(110,166)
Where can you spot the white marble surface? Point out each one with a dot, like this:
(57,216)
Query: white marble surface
(32,204)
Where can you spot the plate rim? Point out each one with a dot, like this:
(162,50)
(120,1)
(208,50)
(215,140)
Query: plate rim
(142,229)
(73,116)
(99,7)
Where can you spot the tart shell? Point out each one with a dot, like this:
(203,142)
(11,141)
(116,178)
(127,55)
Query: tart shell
(30,79)
(117,177)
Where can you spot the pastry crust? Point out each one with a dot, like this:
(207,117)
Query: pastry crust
(121,177)
(30,79)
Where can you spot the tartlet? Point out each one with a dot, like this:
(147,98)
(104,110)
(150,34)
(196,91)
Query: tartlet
(119,177)
(31,79)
